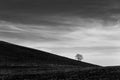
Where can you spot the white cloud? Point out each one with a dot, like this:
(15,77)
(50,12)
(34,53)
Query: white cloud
(94,36)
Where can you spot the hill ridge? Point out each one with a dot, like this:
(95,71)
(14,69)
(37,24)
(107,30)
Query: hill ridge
(14,53)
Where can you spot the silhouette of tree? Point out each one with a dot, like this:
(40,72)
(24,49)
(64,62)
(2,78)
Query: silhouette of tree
(79,57)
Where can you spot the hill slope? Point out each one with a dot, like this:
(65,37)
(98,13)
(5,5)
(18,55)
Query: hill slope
(14,54)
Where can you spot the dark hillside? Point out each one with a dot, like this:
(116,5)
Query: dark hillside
(14,54)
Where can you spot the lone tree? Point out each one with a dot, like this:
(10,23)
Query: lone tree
(79,57)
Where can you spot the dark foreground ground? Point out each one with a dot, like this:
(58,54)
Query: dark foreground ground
(35,73)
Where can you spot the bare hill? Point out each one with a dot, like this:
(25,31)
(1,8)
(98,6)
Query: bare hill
(15,54)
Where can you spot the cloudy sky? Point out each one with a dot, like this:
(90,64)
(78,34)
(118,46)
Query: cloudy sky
(65,27)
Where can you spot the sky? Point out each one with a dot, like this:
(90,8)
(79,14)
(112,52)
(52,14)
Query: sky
(65,27)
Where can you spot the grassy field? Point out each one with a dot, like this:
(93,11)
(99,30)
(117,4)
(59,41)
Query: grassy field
(103,73)
(22,63)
